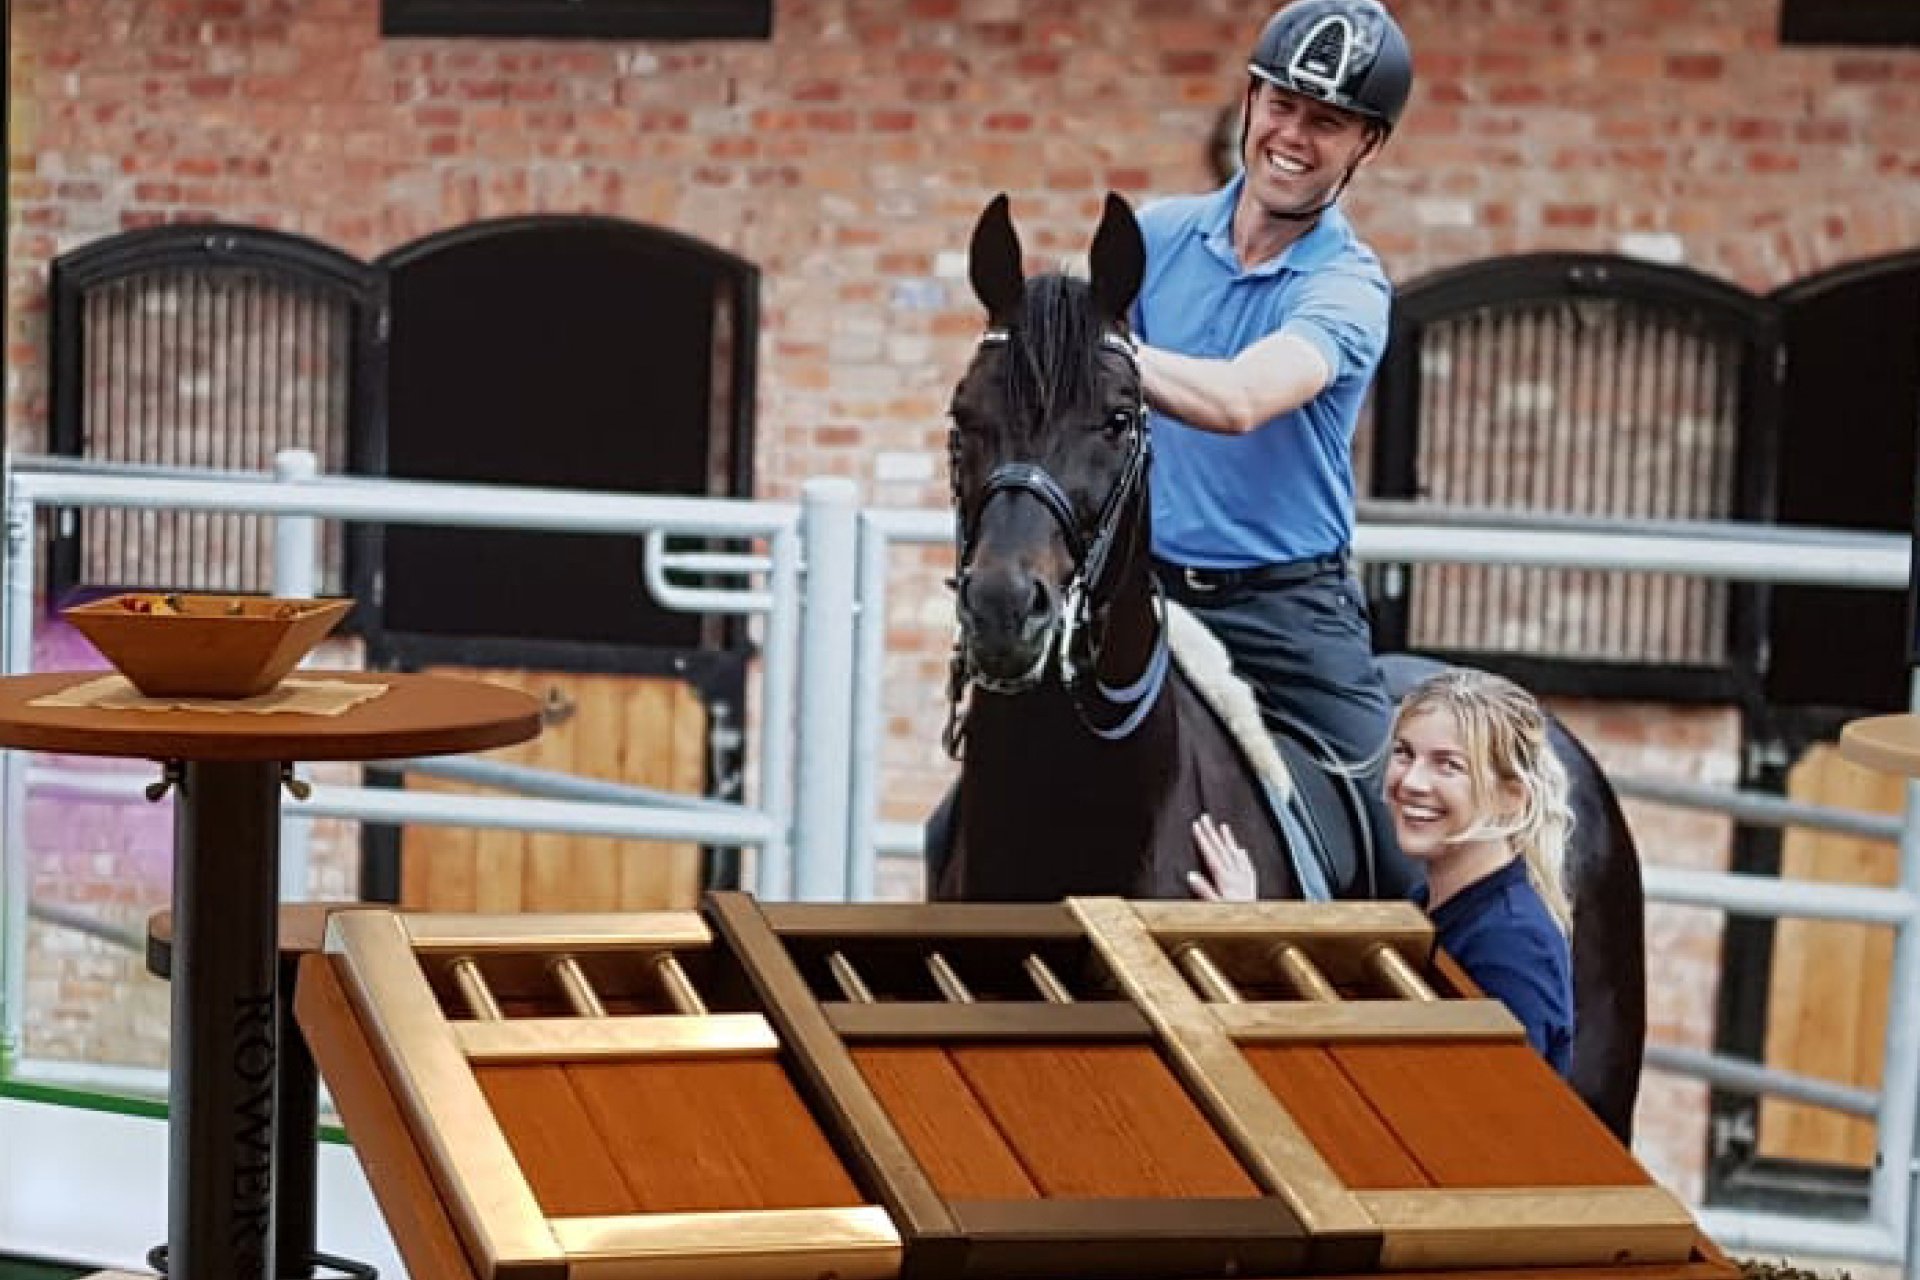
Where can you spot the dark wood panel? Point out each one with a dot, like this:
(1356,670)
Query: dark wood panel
(1350,1135)
(561,1151)
(1101,1121)
(1487,1116)
(715,1134)
(943,1122)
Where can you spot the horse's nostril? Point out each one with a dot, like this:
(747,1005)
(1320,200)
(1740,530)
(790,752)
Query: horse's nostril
(1039,605)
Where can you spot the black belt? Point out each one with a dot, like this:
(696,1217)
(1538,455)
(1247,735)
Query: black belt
(1186,580)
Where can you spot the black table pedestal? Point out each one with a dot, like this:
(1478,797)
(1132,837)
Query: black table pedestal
(226,891)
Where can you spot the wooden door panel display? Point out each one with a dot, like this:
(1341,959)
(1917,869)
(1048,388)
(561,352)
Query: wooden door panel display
(1015,1109)
(600,1100)
(1372,1087)
(1140,1091)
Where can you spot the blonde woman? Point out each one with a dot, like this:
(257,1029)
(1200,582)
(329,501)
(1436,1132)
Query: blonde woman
(1480,801)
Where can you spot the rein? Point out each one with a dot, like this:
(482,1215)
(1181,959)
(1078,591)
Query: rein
(1105,712)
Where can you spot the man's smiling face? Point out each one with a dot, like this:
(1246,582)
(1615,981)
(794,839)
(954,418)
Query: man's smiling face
(1298,149)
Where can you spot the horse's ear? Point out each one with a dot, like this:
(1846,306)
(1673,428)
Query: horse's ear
(993,262)
(1119,258)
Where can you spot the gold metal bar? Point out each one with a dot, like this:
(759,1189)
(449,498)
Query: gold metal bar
(488,1198)
(679,988)
(474,990)
(1439,1229)
(1393,969)
(1308,1022)
(1238,935)
(951,988)
(1262,1132)
(848,979)
(760,1244)
(1303,975)
(1051,989)
(716,1035)
(581,996)
(575,934)
(1206,975)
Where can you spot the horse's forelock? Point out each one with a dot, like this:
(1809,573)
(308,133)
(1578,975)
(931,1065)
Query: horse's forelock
(1053,358)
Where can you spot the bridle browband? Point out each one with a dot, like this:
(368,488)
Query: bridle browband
(1107,713)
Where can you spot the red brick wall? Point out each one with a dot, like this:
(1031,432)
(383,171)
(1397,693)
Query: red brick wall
(848,156)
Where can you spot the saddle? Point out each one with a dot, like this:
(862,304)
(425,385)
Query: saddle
(1319,806)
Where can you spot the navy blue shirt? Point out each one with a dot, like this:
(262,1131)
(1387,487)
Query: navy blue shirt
(1502,934)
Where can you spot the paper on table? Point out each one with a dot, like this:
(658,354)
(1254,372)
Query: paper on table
(303,696)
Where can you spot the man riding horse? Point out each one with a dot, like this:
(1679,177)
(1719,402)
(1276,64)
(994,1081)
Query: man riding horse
(1261,321)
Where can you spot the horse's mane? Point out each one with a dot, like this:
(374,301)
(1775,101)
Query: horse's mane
(1055,350)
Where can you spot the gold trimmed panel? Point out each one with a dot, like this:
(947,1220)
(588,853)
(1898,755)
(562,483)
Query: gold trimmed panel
(557,934)
(640,1036)
(1339,937)
(1253,1122)
(763,1244)
(1301,1020)
(493,1208)
(1549,1227)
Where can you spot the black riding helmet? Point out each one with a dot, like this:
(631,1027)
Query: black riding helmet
(1347,53)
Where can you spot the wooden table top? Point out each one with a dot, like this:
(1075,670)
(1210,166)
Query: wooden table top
(416,715)
(1890,744)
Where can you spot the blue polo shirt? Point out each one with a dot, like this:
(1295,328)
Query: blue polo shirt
(1502,934)
(1284,491)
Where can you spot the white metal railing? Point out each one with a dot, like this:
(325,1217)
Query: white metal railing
(820,738)
(791,692)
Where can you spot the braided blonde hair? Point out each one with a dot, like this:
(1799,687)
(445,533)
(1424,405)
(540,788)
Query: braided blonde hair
(1504,732)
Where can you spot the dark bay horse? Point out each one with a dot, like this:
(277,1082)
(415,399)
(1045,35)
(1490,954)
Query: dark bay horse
(1086,752)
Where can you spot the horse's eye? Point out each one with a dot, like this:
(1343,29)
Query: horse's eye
(1119,422)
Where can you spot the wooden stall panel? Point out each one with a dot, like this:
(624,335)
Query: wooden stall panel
(648,732)
(1827,992)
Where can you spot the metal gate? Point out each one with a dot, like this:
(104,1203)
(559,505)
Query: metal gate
(205,346)
(1584,384)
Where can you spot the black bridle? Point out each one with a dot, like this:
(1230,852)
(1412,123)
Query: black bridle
(1084,597)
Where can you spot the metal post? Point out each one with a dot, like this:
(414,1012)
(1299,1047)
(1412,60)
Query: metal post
(221,1097)
(1894,1176)
(824,745)
(296,560)
(773,868)
(869,665)
(16,655)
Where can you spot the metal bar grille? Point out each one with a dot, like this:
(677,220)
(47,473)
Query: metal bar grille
(209,366)
(1592,406)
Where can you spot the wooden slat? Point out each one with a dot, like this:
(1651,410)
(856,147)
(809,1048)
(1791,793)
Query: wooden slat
(549,865)
(712,1135)
(437,863)
(1093,1121)
(1827,989)
(943,1122)
(597,731)
(566,1159)
(1494,1116)
(1350,1135)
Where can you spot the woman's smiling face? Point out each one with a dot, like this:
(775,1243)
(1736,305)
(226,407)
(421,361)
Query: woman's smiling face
(1430,785)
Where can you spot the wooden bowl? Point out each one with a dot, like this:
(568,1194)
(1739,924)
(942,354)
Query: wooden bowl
(183,645)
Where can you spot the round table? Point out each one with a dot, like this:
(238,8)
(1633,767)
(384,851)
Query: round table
(1890,744)
(227,769)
